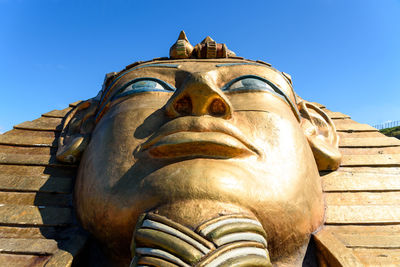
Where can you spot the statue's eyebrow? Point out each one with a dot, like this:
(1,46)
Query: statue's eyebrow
(264,64)
(238,63)
(159,65)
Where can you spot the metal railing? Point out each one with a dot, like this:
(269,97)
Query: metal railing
(385,125)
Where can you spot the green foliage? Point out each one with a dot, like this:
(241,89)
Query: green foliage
(394,132)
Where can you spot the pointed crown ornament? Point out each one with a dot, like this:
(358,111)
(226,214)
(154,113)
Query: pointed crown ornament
(208,48)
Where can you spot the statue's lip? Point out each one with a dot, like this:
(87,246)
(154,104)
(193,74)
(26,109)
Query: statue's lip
(199,136)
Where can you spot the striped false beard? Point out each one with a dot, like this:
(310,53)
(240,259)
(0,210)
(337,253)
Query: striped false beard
(228,240)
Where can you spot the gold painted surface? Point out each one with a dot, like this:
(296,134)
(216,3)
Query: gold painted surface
(190,168)
(209,146)
(182,48)
(248,151)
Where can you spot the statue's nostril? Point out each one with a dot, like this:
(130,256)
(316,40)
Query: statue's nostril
(217,108)
(184,105)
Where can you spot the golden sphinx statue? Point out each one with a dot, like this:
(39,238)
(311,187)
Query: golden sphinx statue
(201,159)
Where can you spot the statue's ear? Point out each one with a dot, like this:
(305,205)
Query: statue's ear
(76,132)
(321,135)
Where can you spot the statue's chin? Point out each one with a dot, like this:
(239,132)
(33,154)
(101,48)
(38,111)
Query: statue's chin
(192,213)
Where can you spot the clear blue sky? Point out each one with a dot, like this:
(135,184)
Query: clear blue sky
(344,54)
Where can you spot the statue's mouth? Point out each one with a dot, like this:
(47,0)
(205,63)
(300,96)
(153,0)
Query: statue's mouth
(194,136)
(207,144)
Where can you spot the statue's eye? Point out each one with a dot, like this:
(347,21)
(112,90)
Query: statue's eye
(249,84)
(254,83)
(144,85)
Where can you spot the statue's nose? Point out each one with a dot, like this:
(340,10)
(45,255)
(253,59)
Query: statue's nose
(199,96)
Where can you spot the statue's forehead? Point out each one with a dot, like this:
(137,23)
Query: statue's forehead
(222,71)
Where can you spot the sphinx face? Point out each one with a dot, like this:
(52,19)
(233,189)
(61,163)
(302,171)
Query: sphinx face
(194,139)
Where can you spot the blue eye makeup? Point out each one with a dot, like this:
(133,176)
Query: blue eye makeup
(135,68)
(139,85)
(246,83)
(144,84)
(252,83)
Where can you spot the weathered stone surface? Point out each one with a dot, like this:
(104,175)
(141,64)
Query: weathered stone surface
(75,103)
(32,215)
(364,238)
(28,246)
(364,229)
(35,184)
(27,150)
(30,232)
(365,198)
(43,124)
(318,105)
(370,150)
(359,134)
(334,251)
(57,113)
(29,138)
(362,214)
(348,125)
(380,170)
(369,240)
(21,159)
(334,115)
(22,260)
(378,179)
(35,171)
(65,256)
(371,160)
(378,257)
(369,142)
(35,199)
